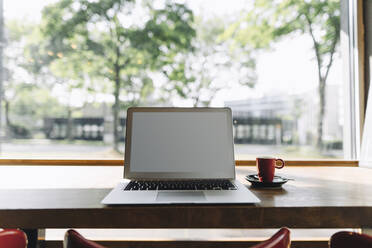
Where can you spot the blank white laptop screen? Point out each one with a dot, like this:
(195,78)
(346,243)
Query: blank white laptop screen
(182,144)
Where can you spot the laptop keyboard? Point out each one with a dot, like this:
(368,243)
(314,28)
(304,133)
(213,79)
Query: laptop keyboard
(181,185)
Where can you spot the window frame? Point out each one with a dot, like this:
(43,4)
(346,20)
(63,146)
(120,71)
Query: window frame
(357,87)
(352,41)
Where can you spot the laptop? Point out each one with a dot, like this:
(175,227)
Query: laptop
(179,156)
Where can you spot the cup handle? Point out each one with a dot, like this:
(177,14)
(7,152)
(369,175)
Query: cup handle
(280,166)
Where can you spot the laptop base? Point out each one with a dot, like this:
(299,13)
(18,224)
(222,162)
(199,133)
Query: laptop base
(120,197)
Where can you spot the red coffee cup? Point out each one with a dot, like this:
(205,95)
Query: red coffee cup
(266,168)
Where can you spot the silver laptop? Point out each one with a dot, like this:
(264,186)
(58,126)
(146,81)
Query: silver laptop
(179,155)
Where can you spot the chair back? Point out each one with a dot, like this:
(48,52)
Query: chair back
(345,239)
(280,239)
(13,238)
(73,239)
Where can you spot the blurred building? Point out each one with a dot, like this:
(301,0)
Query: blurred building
(298,112)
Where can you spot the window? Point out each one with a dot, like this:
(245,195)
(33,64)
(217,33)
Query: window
(71,69)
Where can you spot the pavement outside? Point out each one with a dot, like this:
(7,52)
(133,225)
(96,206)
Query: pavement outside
(48,149)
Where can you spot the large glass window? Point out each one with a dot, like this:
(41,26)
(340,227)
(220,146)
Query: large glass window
(71,68)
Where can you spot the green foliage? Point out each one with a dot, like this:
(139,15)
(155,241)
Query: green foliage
(195,74)
(78,26)
(270,20)
(112,41)
(17,30)
(30,105)
(26,102)
(105,46)
(35,102)
(168,30)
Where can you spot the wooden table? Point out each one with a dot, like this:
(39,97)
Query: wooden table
(60,197)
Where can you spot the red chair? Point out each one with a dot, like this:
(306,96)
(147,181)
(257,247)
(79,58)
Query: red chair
(350,240)
(281,239)
(73,239)
(13,238)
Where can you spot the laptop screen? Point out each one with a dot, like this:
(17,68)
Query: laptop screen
(180,143)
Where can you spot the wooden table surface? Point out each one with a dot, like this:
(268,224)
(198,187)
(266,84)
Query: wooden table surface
(61,197)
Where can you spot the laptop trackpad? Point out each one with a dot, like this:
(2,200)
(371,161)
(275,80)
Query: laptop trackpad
(180,196)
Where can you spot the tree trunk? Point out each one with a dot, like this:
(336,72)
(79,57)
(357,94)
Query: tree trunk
(7,120)
(116,115)
(8,124)
(321,91)
(69,124)
(116,107)
(196,102)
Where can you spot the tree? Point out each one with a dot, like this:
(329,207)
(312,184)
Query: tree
(271,20)
(72,74)
(30,66)
(33,103)
(26,99)
(123,42)
(196,74)
(15,36)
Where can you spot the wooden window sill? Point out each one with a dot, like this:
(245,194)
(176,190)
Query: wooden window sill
(120,162)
